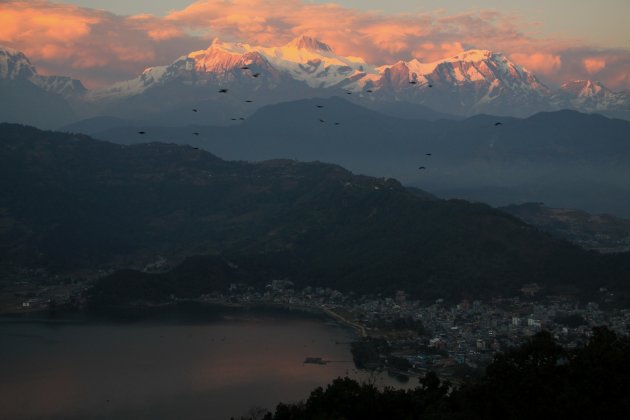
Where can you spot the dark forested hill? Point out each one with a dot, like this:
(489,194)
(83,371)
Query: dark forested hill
(69,202)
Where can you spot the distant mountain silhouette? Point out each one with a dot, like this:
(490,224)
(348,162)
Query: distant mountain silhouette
(564,158)
(24,102)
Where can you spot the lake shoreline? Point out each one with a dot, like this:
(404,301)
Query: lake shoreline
(152,312)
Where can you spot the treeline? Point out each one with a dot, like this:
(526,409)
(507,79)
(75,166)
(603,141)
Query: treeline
(539,379)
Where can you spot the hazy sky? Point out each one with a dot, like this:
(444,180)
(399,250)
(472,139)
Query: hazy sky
(605,22)
(101,41)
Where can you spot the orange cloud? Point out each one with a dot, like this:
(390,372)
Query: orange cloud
(539,63)
(594,65)
(22,19)
(429,51)
(97,45)
(86,43)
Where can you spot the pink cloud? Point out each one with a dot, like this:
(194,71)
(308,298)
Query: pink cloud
(89,44)
(103,47)
(539,63)
(594,65)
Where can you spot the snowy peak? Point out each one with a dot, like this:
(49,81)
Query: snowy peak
(470,68)
(15,65)
(475,55)
(304,59)
(223,57)
(217,58)
(591,96)
(304,42)
(484,66)
(62,85)
(585,88)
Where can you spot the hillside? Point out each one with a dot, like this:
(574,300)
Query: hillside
(71,202)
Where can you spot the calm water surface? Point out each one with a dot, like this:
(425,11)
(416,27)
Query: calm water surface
(166,368)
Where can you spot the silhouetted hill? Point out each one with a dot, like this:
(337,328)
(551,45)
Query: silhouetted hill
(70,202)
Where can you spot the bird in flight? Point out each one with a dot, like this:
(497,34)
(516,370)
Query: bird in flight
(421,167)
(196,134)
(321,121)
(194,110)
(337,123)
(348,93)
(142,132)
(498,123)
(255,74)
(319,106)
(249,101)
(223,90)
(428,154)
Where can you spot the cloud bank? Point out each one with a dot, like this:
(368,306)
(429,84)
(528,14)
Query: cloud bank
(100,47)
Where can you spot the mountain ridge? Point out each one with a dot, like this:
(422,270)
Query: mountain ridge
(472,82)
(550,156)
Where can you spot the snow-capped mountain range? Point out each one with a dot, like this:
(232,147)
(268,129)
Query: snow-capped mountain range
(473,82)
(14,65)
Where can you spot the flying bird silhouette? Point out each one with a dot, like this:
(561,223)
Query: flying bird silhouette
(223,90)
(255,74)
(194,110)
(196,134)
(321,121)
(319,106)
(428,154)
(421,167)
(498,123)
(142,132)
(249,101)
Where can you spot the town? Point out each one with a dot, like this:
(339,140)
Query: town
(395,333)
(409,337)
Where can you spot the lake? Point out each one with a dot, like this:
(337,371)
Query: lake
(206,364)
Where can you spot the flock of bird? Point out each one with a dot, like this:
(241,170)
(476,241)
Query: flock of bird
(322,121)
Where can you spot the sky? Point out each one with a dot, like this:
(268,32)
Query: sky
(102,41)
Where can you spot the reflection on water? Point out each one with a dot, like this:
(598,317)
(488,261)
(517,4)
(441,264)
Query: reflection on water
(166,369)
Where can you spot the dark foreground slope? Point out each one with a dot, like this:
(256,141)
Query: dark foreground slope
(540,379)
(69,202)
